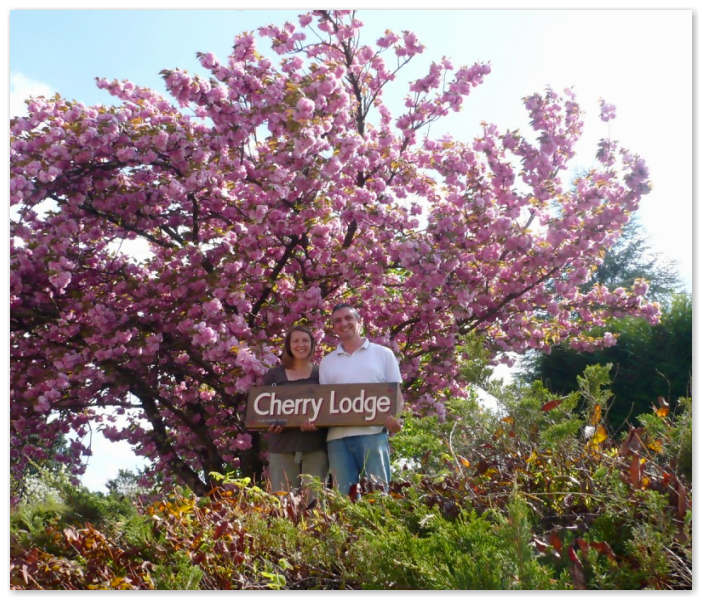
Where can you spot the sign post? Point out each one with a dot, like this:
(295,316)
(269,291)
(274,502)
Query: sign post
(324,405)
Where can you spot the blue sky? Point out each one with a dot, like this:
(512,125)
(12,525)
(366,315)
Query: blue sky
(639,60)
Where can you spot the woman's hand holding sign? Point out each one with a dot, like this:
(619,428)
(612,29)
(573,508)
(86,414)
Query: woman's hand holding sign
(309,426)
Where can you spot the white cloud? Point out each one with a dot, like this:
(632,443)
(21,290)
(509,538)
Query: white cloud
(107,460)
(109,457)
(21,88)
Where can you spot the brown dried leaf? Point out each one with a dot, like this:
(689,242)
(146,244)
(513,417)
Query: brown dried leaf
(632,443)
(576,570)
(604,548)
(551,405)
(220,529)
(682,500)
(555,541)
(635,471)
(596,415)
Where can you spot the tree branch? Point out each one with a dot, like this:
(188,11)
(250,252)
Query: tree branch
(290,246)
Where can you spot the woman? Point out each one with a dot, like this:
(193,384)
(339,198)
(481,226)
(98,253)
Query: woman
(293,452)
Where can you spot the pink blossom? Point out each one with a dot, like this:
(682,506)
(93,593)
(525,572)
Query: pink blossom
(61,280)
(212,308)
(207,60)
(205,335)
(207,394)
(607,111)
(242,441)
(327,86)
(304,108)
(275,201)
(42,404)
(609,339)
(388,39)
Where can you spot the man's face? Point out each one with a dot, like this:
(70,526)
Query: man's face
(345,324)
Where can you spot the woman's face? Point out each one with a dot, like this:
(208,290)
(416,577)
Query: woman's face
(300,345)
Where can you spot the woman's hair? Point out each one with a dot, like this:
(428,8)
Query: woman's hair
(287,357)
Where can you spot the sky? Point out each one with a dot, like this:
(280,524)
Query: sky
(639,59)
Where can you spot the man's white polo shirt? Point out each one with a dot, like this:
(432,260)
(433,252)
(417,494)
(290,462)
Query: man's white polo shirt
(371,363)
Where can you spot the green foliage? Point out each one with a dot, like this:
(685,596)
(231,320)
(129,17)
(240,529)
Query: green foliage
(466,552)
(62,503)
(517,533)
(32,524)
(32,484)
(424,444)
(648,361)
(521,501)
(418,444)
(592,385)
(680,442)
(177,574)
(477,358)
(127,483)
(630,259)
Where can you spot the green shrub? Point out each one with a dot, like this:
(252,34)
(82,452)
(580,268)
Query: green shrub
(404,544)
(177,574)
(521,501)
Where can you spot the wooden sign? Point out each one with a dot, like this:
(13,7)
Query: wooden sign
(325,405)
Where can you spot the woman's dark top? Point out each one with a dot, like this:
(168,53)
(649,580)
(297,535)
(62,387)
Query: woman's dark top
(293,440)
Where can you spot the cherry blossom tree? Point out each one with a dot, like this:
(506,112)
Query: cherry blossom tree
(267,192)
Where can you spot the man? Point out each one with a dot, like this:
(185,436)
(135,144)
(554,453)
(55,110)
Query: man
(358,451)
